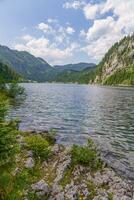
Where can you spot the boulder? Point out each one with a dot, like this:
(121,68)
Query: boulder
(29,163)
(41,189)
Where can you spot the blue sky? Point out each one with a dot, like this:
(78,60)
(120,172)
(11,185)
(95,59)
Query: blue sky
(65,31)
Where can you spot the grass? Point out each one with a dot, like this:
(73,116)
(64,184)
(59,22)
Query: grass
(39,146)
(110,196)
(92,190)
(13,187)
(67,176)
(87,156)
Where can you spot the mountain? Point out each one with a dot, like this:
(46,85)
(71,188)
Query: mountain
(7,74)
(36,69)
(117,66)
(76,76)
(74,67)
(24,63)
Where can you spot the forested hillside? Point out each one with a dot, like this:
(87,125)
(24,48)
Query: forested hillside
(7,74)
(117,66)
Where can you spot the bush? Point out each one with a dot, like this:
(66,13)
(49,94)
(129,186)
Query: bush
(8,131)
(14,90)
(86,155)
(39,146)
(3,107)
(8,146)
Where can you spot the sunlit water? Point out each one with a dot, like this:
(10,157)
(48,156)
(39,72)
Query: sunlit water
(78,111)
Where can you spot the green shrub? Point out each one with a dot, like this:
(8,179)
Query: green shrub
(8,146)
(3,107)
(39,146)
(14,90)
(8,131)
(86,155)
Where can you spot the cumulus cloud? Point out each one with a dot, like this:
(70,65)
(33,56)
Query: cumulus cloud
(91,11)
(70,30)
(49,45)
(74,4)
(109,21)
(107,28)
(46,28)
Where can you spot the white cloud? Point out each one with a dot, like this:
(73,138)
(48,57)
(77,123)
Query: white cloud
(106,30)
(70,30)
(42,47)
(83,33)
(74,4)
(101,28)
(109,21)
(50,20)
(91,11)
(46,28)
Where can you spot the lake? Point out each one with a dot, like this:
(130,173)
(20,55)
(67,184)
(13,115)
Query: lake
(78,112)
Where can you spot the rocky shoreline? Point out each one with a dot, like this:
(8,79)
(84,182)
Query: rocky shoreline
(58,180)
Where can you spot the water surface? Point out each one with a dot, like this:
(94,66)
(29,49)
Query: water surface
(79,111)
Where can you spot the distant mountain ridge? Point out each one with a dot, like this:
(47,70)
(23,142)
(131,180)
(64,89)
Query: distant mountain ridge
(24,63)
(34,68)
(76,67)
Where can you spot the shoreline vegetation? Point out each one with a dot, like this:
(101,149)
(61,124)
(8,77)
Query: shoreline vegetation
(33,166)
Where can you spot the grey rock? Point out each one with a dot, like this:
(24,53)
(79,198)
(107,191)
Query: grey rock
(60,196)
(64,163)
(29,163)
(41,188)
(29,153)
(56,149)
(72,193)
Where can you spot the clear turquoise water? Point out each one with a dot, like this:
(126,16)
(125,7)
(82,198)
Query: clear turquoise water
(78,111)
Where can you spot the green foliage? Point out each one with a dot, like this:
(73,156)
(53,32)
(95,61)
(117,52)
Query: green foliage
(67,176)
(110,196)
(8,131)
(13,187)
(7,74)
(84,77)
(86,155)
(8,146)
(39,146)
(124,77)
(14,90)
(24,63)
(3,107)
(92,189)
(122,52)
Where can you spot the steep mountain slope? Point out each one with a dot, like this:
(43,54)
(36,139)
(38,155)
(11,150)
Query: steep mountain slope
(117,66)
(7,74)
(24,63)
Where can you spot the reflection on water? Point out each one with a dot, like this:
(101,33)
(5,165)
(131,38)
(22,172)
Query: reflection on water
(77,111)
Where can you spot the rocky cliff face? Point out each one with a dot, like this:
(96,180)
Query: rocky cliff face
(117,66)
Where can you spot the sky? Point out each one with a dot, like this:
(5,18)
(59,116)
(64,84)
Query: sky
(65,31)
